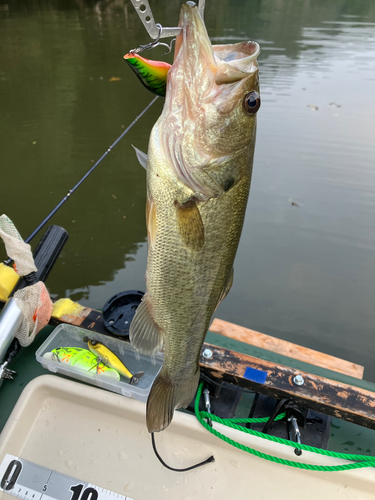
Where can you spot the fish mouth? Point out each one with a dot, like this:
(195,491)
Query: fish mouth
(194,36)
(205,64)
(235,61)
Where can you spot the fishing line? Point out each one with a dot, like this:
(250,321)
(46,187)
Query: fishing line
(210,459)
(71,191)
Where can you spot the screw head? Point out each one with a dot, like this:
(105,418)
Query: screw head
(207,353)
(299,380)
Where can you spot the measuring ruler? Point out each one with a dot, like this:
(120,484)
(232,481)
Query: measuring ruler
(28,481)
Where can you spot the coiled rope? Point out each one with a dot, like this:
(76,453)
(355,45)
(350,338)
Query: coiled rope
(360,461)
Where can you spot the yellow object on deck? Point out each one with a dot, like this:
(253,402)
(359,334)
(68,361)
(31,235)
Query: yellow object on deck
(8,280)
(109,358)
(64,307)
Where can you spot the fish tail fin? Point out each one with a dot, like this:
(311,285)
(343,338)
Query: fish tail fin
(165,397)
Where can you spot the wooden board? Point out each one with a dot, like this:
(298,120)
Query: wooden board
(85,317)
(285,348)
(326,396)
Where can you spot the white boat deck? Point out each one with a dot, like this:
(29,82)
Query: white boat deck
(101,438)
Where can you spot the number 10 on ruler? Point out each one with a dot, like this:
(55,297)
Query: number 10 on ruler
(87,493)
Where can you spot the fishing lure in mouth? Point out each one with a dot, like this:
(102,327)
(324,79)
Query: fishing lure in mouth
(82,359)
(109,358)
(152,74)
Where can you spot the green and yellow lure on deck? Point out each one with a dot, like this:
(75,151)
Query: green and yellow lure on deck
(82,359)
(152,74)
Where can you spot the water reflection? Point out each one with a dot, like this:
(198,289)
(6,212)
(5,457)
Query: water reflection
(303,273)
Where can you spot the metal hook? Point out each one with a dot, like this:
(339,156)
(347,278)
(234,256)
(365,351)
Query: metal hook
(55,356)
(144,12)
(153,44)
(170,47)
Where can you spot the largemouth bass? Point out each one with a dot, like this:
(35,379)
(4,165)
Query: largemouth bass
(198,178)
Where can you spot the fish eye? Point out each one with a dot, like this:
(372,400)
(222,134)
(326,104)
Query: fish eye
(251,102)
(94,342)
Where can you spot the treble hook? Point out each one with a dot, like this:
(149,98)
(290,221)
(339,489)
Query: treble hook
(154,44)
(169,47)
(55,356)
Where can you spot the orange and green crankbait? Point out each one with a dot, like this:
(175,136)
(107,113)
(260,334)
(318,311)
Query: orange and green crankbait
(153,74)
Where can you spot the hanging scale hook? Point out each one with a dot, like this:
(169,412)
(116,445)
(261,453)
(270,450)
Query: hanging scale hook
(155,30)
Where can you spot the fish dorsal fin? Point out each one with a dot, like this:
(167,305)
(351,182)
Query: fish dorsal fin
(144,333)
(190,224)
(142,157)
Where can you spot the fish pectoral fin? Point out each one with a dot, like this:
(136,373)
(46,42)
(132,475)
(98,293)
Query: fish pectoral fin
(190,224)
(223,173)
(145,334)
(209,185)
(227,287)
(142,157)
(151,221)
(166,396)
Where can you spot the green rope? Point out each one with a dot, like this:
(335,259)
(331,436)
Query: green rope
(360,460)
(243,420)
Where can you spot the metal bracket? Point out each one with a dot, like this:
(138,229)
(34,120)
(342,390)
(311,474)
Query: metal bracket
(5,372)
(207,404)
(144,12)
(292,421)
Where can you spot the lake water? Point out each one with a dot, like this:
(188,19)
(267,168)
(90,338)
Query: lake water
(303,273)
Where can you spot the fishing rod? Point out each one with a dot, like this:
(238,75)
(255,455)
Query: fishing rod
(45,255)
(71,191)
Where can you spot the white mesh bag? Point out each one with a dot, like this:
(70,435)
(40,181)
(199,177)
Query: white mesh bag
(34,301)
(16,248)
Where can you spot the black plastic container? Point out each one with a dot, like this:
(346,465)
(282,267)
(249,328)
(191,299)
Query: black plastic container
(119,311)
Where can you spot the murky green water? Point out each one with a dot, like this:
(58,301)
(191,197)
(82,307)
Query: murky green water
(303,273)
